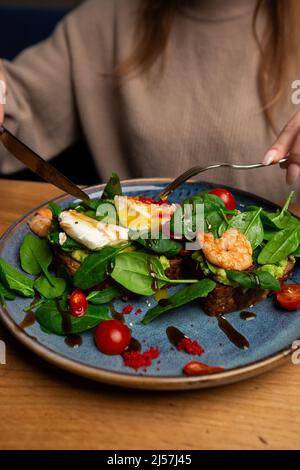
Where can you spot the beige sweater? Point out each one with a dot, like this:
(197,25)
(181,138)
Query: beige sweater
(205,107)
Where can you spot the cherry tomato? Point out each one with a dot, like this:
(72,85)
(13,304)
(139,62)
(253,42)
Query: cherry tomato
(78,303)
(198,368)
(112,337)
(289,297)
(226,197)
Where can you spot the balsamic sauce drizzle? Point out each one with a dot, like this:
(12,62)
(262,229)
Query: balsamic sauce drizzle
(247,316)
(73,341)
(232,334)
(65,317)
(28,321)
(174,335)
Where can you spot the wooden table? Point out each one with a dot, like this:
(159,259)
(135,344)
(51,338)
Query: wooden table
(42,407)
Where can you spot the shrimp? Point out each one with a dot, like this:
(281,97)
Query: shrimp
(231,251)
(41,222)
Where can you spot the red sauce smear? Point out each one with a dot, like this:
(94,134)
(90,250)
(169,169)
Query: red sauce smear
(190,346)
(150,200)
(136,359)
(127,309)
(138,312)
(195,368)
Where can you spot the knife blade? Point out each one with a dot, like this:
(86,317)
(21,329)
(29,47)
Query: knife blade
(39,166)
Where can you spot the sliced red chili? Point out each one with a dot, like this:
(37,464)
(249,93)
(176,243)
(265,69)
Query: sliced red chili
(198,368)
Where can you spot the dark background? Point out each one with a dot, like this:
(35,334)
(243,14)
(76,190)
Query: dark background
(26,22)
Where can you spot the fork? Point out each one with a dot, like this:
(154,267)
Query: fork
(163,196)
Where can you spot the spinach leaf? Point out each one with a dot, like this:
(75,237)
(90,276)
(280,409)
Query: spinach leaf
(249,223)
(141,273)
(211,201)
(94,268)
(55,209)
(283,244)
(35,255)
(182,297)
(50,288)
(63,273)
(68,245)
(269,233)
(165,246)
(296,253)
(213,216)
(14,280)
(113,188)
(103,296)
(252,279)
(50,318)
(213,221)
(280,219)
(6,293)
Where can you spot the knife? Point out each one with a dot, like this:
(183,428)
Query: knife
(39,166)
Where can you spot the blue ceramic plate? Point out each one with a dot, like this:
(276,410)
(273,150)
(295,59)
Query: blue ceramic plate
(270,335)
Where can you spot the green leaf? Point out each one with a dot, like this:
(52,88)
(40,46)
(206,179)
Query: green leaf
(52,318)
(94,268)
(280,219)
(6,293)
(254,279)
(103,296)
(213,221)
(55,209)
(49,290)
(113,188)
(296,253)
(283,244)
(132,271)
(15,281)
(249,223)
(69,244)
(141,273)
(35,254)
(182,297)
(165,246)
(213,207)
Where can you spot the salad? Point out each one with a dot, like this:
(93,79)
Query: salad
(76,261)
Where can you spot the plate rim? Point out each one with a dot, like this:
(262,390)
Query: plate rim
(162,383)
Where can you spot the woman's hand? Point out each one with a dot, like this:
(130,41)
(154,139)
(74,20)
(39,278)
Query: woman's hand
(288,143)
(1,114)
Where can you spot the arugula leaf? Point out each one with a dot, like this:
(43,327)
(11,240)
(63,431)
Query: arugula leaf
(283,244)
(94,268)
(113,188)
(141,273)
(14,280)
(50,318)
(253,279)
(103,296)
(182,297)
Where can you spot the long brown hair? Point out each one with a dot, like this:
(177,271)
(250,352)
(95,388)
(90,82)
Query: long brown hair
(278,45)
